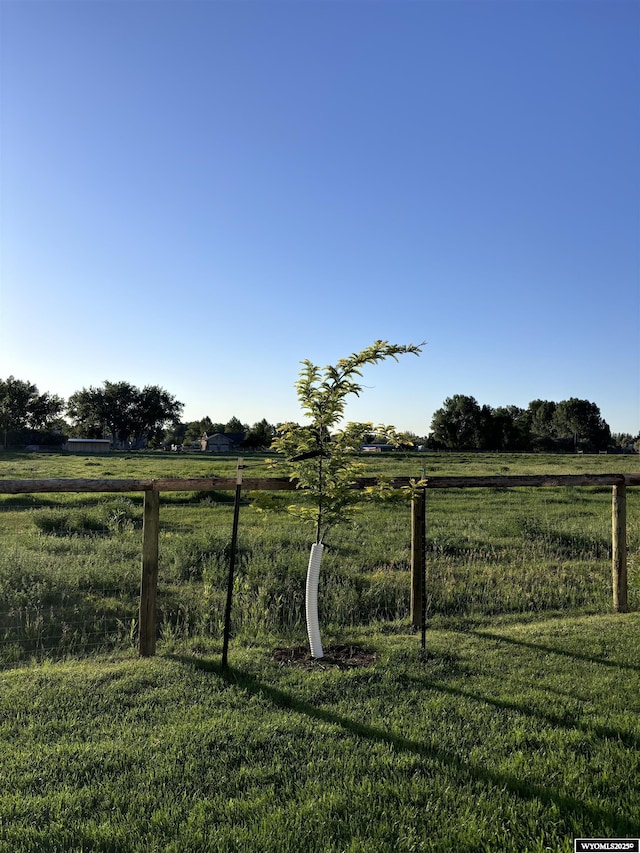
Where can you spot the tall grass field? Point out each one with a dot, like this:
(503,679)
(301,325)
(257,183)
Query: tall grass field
(518,730)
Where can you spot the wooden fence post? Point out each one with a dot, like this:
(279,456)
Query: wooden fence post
(418,542)
(149,580)
(619,548)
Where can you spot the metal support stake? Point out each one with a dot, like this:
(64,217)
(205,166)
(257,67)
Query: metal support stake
(423,577)
(232,563)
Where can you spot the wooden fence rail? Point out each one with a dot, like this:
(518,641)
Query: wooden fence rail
(151,521)
(272,484)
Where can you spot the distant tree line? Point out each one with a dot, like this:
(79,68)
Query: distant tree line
(130,417)
(26,415)
(570,425)
(189,434)
(150,417)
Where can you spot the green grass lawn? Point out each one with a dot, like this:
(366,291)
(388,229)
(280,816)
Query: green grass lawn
(141,464)
(518,732)
(510,736)
(70,563)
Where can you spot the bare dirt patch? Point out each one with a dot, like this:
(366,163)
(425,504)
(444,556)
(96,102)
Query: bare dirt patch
(345,656)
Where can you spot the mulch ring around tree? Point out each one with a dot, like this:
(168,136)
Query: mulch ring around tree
(345,656)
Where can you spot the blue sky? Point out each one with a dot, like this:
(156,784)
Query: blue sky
(200,195)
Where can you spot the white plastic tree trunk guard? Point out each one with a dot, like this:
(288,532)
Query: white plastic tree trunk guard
(311,600)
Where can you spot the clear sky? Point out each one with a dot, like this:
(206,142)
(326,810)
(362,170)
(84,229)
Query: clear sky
(199,195)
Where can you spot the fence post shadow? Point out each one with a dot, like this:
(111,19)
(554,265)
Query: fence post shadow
(462,770)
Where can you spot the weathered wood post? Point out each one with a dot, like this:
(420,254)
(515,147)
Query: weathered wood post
(619,548)
(418,547)
(149,580)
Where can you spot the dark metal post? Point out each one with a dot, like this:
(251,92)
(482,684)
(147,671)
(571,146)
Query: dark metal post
(423,575)
(417,550)
(232,563)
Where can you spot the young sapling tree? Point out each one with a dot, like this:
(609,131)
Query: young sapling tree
(320,454)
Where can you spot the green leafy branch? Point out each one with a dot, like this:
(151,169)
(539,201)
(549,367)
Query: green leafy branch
(319,455)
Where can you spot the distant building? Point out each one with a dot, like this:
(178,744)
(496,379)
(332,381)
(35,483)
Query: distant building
(378,448)
(221,442)
(88,445)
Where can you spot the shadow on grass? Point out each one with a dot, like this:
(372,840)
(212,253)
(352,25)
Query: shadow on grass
(589,817)
(488,635)
(566,721)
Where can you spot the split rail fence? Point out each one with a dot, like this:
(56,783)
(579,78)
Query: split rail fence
(152,488)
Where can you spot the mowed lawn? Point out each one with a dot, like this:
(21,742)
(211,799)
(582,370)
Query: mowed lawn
(509,736)
(518,731)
